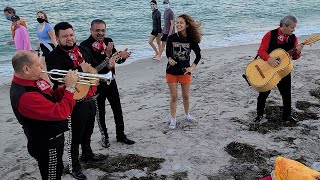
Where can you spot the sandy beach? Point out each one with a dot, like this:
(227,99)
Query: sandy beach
(223,144)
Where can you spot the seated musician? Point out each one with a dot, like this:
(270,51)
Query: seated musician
(67,55)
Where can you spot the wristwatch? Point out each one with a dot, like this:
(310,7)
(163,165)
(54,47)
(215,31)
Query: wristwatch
(71,89)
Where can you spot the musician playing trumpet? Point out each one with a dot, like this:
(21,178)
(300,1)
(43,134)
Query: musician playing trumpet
(283,38)
(67,55)
(41,111)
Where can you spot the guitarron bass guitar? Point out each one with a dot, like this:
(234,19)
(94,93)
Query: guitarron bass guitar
(263,77)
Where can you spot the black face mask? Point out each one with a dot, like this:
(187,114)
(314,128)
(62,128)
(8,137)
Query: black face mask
(40,20)
(67,48)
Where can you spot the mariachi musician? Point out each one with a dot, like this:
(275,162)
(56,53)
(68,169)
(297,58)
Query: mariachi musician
(41,111)
(283,38)
(67,55)
(102,48)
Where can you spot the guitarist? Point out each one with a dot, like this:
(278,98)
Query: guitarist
(102,48)
(283,38)
(67,55)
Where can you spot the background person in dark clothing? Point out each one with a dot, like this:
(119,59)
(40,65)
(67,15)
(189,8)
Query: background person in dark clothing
(156,28)
(168,28)
(283,38)
(179,46)
(67,55)
(41,111)
(103,48)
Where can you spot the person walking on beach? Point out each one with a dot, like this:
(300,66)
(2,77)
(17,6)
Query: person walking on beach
(102,48)
(41,111)
(45,33)
(179,46)
(283,38)
(67,55)
(168,28)
(21,36)
(8,13)
(156,28)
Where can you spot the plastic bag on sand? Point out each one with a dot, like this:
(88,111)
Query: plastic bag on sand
(287,169)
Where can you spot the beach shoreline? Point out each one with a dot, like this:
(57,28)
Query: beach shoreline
(221,101)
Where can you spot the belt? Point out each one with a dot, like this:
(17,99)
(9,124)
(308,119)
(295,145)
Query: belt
(88,99)
(56,136)
(113,78)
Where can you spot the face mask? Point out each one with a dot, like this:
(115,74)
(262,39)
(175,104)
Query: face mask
(40,20)
(67,48)
(166,6)
(8,18)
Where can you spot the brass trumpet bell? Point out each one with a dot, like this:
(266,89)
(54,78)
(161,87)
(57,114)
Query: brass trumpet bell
(84,78)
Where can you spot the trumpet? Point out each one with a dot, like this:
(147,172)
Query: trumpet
(84,78)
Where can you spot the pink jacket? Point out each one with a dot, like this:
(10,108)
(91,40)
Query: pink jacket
(22,39)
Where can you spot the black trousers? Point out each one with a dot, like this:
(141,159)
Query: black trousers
(49,154)
(111,93)
(284,87)
(45,50)
(82,124)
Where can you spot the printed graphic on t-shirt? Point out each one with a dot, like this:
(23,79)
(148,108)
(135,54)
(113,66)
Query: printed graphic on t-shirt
(181,51)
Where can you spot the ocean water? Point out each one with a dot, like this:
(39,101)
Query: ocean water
(224,22)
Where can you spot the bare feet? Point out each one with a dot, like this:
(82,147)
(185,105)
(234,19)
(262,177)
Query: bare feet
(157,58)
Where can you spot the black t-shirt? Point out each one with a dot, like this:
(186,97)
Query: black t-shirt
(179,49)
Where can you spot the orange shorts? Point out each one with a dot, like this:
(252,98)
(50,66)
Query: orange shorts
(183,79)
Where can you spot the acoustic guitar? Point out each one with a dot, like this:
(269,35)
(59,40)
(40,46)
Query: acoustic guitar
(83,89)
(263,77)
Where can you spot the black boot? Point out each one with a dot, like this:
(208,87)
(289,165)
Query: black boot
(123,139)
(93,157)
(79,175)
(105,142)
(258,118)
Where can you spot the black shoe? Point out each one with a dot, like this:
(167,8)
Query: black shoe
(258,118)
(93,157)
(79,175)
(105,142)
(125,140)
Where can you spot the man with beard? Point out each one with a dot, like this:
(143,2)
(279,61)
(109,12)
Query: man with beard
(102,48)
(67,55)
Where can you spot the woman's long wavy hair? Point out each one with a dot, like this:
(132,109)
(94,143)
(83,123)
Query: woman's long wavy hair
(193,28)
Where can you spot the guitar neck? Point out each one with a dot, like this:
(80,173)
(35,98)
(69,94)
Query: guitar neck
(105,63)
(308,41)
(291,51)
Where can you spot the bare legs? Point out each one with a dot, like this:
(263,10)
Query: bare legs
(163,45)
(174,97)
(185,96)
(151,39)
